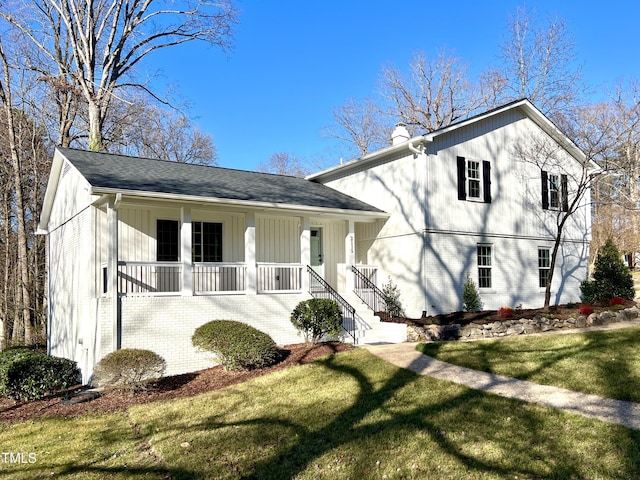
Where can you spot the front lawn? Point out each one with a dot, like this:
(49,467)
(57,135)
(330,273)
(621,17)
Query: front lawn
(600,362)
(349,415)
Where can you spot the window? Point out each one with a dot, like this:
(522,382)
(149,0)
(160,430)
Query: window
(206,242)
(474,180)
(555,192)
(167,241)
(484,266)
(544,267)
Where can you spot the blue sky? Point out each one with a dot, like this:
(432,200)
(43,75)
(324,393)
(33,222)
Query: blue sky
(293,62)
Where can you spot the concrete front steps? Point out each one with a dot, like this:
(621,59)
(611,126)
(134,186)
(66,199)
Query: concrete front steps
(370,329)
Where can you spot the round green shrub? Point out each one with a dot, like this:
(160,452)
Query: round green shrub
(33,376)
(129,369)
(236,345)
(317,317)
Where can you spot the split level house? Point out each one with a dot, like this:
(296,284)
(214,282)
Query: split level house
(142,251)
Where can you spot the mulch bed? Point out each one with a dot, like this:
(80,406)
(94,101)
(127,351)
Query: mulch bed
(560,312)
(177,386)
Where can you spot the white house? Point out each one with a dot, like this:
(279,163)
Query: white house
(143,251)
(462,201)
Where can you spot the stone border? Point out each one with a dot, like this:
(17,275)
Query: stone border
(509,328)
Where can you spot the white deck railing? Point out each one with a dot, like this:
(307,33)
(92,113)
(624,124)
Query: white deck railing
(219,277)
(149,277)
(157,278)
(279,277)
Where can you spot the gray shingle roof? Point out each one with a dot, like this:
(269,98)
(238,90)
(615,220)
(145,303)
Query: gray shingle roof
(119,172)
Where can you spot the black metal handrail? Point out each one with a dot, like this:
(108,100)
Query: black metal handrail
(319,288)
(367,291)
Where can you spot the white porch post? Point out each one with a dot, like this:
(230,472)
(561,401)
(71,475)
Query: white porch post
(305,250)
(112,269)
(250,252)
(185,252)
(349,253)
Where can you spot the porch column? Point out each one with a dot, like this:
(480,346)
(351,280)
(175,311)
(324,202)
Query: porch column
(305,250)
(185,252)
(250,252)
(350,243)
(112,269)
(349,253)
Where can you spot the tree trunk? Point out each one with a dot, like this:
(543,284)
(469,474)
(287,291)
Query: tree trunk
(95,127)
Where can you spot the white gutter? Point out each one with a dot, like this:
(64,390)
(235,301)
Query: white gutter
(101,191)
(408,144)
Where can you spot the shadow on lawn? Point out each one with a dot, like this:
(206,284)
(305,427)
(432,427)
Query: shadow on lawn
(311,444)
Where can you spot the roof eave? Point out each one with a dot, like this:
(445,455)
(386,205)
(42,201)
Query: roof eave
(50,193)
(249,204)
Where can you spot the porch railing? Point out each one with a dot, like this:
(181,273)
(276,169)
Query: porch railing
(149,277)
(279,277)
(219,277)
(319,288)
(364,286)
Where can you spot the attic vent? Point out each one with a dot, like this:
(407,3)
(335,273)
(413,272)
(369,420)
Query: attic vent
(65,169)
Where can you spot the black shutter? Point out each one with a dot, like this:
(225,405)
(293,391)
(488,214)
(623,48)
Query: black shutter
(462,179)
(545,191)
(564,192)
(486,180)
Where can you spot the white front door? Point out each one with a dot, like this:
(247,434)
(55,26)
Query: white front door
(317,258)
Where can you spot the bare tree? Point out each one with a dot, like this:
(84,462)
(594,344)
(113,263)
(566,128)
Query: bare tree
(283,163)
(573,177)
(437,93)
(6,103)
(360,126)
(538,63)
(107,39)
(142,129)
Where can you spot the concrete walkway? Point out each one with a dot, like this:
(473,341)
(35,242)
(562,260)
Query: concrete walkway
(406,356)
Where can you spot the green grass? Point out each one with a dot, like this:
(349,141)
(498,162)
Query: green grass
(601,362)
(347,416)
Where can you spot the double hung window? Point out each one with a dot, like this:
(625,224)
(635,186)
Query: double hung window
(474,180)
(484,266)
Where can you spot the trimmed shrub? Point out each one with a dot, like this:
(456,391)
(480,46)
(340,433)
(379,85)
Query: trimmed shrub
(391,298)
(317,317)
(470,297)
(505,312)
(236,345)
(129,369)
(33,376)
(611,277)
(617,301)
(585,310)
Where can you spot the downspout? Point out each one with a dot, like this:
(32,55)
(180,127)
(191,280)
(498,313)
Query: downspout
(419,150)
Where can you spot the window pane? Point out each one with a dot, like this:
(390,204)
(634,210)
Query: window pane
(212,242)
(473,175)
(554,189)
(207,242)
(484,266)
(167,241)
(544,266)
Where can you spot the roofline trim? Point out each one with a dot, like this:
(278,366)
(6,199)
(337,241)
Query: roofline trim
(239,203)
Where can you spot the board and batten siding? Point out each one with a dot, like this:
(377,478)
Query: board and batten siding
(277,239)
(516,207)
(137,232)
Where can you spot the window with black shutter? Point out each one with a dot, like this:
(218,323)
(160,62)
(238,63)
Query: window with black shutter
(474,180)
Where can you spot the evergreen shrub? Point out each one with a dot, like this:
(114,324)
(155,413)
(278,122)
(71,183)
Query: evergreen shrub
(236,345)
(129,369)
(317,317)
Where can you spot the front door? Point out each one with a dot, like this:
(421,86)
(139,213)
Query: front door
(317,258)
